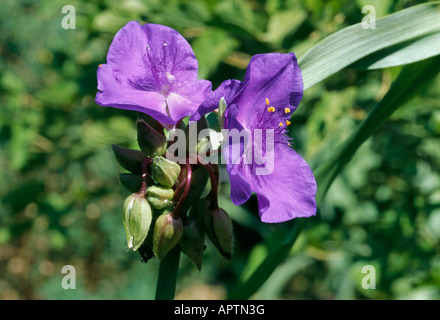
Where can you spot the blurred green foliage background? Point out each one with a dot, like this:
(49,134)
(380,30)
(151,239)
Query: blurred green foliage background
(60,200)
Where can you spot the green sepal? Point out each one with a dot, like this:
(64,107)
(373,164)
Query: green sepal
(192,242)
(218,228)
(131,182)
(129,159)
(152,142)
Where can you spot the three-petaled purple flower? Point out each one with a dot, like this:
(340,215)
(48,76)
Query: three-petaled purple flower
(271,91)
(151,69)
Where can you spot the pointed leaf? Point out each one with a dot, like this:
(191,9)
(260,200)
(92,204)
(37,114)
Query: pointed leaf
(354,43)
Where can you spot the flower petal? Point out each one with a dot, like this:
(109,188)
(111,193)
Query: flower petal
(151,69)
(228,90)
(114,91)
(187,98)
(240,188)
(289,191)
(273,76)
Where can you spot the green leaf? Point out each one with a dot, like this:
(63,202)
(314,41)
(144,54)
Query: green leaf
(277,282)
(404,53)
(354,43)
(267,267)
(411,79)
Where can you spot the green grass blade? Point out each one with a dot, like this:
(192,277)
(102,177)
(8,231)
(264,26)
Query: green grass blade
(411,79)
(354,43)
(265,269)
(403,53)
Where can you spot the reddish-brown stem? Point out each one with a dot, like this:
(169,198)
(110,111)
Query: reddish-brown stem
(176,213)
(144,185)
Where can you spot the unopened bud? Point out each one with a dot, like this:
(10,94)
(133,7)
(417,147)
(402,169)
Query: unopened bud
(165,171)
(203,145)
(221,112)
(160,197)
(137,218)
(218,227)
(152,142)
(192,242)
(167,233)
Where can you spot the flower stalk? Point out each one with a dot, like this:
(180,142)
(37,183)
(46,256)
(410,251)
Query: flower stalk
(167,277)
(186,185)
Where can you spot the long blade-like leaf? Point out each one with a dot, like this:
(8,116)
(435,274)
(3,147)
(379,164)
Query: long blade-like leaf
(354,43)
(403,53)
(410,80)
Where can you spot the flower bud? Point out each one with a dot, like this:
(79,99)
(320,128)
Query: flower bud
(167,233)
(137,218)
(160,197)
(202,145)
(152,142)
(218,227)
(165,171)
(192,242)
(221,112)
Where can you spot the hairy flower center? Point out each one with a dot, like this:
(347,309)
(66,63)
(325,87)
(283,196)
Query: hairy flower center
(273,118)
(161,64)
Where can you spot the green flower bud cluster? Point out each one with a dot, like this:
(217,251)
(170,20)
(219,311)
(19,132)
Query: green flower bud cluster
(147,211)
(153,208)
(155,214)
(144,211)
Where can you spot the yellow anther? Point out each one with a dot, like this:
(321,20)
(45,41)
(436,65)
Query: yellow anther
(271,109)
(100,65)
(267,102)
(288,122)
(286,110)
(281,124)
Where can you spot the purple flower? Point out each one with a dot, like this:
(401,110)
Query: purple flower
(264,102)
(151,69)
